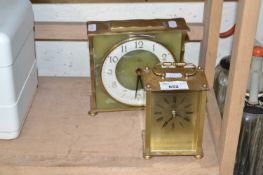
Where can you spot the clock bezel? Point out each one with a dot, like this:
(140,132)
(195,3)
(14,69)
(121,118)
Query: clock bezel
(133,38)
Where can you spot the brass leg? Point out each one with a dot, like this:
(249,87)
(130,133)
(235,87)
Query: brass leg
(199,156)
(147,157)
(92,113)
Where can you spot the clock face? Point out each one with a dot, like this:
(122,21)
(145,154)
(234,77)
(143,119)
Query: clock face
(174,120)
(120,68)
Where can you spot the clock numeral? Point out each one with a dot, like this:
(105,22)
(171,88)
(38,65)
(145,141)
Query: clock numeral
(153,47)
(138,44)
(173,105)
(181,124)
(123,95)
(114,59)
(157,113)
(114,84)
(123,49)
(109,72)
(174,100)
(186,119)
(164,56)
(159,119)
(166,101)
(138,97)
(165,124)
(160,106)
(187,106)
(173,126)
(182,100)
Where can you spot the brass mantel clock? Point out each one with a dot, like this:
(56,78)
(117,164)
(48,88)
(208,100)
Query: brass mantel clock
(119,49)
(175,105)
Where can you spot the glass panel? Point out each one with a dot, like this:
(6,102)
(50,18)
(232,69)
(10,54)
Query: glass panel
(174,120)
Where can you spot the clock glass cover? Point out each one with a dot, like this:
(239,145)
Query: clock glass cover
(174,121)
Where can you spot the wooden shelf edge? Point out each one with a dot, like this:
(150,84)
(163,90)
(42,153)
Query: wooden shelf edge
(114,1)
(77,31)
(60,31)
(214,118)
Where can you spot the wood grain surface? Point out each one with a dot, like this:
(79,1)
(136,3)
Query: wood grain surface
(59,138)
(77,31)
(113,1)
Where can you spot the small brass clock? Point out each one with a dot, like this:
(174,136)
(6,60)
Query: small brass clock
(175,105)
(121,49)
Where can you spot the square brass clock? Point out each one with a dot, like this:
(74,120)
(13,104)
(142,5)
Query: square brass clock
(175,105)
(121,49)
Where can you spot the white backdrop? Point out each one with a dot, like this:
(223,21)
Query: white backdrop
(71,58)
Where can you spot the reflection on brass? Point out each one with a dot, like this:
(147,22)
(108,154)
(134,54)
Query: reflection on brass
(138,26)
(92,113)
(135,25)
(188,66)
(174,118)
(196,81)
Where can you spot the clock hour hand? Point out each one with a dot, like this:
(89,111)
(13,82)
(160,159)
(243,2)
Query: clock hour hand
(139,80)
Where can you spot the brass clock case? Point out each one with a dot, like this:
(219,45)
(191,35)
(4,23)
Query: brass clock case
(174,118)
(105,36)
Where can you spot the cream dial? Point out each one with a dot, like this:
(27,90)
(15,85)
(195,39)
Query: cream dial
(108,74)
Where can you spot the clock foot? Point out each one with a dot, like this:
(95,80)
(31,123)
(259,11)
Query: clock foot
(147,157)
(199,156)
(92,113)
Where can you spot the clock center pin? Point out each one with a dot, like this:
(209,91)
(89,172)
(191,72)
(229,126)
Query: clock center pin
(174,113)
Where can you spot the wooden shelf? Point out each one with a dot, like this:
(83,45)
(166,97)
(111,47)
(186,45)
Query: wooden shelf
(113,1)
(60,138)
(77,31)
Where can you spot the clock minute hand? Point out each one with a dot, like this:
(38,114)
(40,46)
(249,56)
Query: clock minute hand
(139,80)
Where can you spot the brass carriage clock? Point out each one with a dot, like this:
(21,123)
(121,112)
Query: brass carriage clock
(119,49)
(175,105)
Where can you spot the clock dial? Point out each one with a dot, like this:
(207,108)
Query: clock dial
(174,120)
(119,70)
(176,115)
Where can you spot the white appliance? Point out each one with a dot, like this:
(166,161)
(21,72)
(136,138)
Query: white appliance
(18,73)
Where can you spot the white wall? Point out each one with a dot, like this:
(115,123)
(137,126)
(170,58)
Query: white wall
(71,58)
